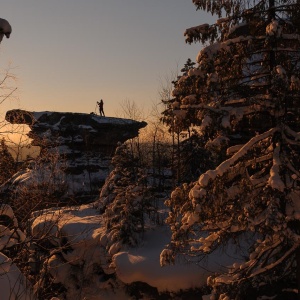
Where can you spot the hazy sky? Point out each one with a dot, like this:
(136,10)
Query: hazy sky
(67,54)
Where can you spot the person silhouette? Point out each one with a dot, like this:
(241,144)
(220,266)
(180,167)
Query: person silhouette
(101,111)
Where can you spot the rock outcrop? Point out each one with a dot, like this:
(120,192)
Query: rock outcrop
(85,143)
(78,131)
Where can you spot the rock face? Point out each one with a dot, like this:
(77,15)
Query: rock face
(78,131)
(85,143)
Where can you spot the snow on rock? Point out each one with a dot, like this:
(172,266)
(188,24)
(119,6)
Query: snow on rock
(75,234)
(6,210)
(59,270)
(10,234)
(10,237)
(95,130)
(13,285)
(80,226)
(5,29)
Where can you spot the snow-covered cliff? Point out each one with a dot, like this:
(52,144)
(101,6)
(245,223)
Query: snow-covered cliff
(83,143)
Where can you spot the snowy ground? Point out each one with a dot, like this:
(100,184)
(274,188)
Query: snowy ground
(76,235)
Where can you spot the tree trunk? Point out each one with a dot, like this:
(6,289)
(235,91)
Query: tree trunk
(154,160)
(271,16)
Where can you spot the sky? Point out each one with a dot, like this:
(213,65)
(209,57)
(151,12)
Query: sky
(68,54)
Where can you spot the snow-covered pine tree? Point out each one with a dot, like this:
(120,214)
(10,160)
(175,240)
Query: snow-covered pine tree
(175,118)
(180,122)
(195,159)
(246,92)
(124,200)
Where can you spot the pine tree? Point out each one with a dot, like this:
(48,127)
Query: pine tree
(125,200)
(180,121)
(245,92)
(195,158)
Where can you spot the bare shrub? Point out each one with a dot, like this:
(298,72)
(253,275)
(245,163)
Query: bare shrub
(41,185)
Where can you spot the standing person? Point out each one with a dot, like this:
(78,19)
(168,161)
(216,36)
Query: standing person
(101,111)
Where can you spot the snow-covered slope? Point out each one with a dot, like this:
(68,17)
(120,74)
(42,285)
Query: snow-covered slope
(79,257)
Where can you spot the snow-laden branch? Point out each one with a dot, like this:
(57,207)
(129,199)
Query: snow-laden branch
(276,263)
(223,167)
(293,133)
(210,51)
(275,181)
